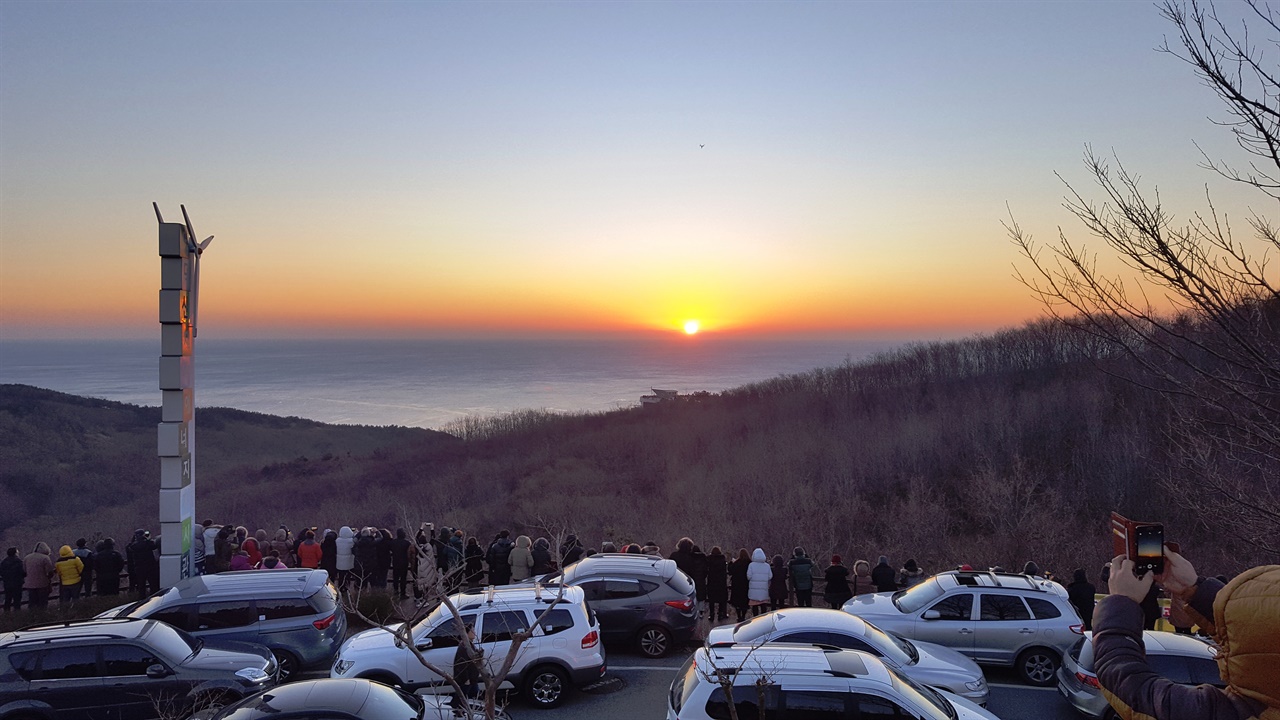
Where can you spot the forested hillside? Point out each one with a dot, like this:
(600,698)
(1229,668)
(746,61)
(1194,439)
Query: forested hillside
(992,450)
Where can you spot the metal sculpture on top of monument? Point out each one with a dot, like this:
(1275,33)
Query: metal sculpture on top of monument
(176,435)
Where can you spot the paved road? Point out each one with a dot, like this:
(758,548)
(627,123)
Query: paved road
(644,696)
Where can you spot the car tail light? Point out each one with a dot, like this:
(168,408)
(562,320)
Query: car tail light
(590,640)
(1078,629)
(1090,680)
(685,605)
(325,623)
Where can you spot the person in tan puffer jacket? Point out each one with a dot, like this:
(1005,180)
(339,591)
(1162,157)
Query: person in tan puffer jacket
(1243,617)
(521,559)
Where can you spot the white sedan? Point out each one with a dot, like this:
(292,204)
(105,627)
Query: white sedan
(926,663)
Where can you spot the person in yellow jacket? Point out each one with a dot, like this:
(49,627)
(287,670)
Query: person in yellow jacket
(69,569)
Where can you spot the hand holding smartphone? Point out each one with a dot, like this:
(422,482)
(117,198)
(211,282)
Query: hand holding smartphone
(1143,543)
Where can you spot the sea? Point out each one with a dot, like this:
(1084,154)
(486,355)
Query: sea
(424,383)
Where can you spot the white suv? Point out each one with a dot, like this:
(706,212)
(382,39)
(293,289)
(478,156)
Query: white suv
(808,682)
(564,651)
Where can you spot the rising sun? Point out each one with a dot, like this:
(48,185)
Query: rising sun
(690,327)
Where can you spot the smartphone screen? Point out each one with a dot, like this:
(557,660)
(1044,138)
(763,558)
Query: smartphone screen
(1150,547)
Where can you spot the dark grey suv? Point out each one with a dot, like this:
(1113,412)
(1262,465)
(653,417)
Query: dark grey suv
(295,613)
(641,599)
(121,670)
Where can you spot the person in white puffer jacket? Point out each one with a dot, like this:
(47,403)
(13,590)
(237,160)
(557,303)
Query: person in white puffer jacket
(346,558)
(758,575)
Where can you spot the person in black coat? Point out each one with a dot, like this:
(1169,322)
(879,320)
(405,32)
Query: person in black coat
(837,592)
(140,558)
(699,573)
(1080,594)
(382,564)
(329,554)
(541,557)
(498,559)
(778,583)
(570,552)
(401,549)
(740,584)
(473,556)
(883,576)
(12,572)
(107,564)
(717,585)
(466,667)
(365,552)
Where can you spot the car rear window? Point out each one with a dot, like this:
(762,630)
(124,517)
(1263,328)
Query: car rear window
(225,615)
(66,663)
(554,621)
(281,608)
(324,600)
(1003,607)
(1043,609)
(746,699)
(1205,671)
(24,664)
(681,583)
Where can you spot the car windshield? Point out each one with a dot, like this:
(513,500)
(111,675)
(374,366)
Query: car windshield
(174,644)
(916,597)
(899,650)
(923,697)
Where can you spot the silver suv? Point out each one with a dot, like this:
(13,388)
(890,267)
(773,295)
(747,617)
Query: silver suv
(994,618)
(295,613)
(564,650)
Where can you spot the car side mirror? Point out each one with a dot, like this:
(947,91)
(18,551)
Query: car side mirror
(157,671)
(931,615)
(424,644)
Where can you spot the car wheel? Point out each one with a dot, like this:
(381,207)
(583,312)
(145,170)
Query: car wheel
(546,687)
(1038,666)
(287,662)
(654,641)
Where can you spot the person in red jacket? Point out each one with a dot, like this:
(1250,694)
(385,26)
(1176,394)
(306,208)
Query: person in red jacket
(309,551)
(1245,624)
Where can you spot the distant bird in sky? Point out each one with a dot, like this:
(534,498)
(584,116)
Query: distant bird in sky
(702,145)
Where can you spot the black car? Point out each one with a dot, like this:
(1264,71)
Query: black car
(641,599)
(346,699)
(122,669)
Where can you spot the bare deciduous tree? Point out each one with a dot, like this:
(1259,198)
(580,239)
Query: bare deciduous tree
(436,594)
(1210,349)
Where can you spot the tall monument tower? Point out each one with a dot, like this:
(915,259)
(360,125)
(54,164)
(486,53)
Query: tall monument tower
(176,435)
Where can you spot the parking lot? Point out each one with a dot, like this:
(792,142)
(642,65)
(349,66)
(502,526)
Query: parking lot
(635,688)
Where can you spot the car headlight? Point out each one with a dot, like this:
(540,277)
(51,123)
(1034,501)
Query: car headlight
(342,666)
(976,685)
(253,675)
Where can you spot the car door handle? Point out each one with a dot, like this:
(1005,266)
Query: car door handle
(1025,631)
(964,631)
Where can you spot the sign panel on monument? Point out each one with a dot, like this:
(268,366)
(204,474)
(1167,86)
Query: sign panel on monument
(175,436)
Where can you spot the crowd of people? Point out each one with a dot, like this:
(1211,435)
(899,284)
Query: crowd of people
(746,582)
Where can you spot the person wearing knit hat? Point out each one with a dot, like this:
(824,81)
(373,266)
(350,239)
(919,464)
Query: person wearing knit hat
(837,577)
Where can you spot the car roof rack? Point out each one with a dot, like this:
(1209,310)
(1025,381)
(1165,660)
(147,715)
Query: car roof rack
(77,623)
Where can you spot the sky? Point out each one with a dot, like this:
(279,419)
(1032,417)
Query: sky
(421,169)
